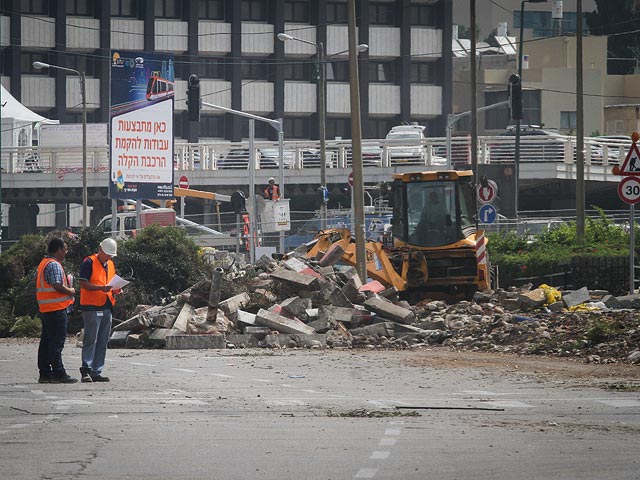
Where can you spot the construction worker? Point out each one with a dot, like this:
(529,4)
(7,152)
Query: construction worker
(97,299)
(55,296)
(272,191)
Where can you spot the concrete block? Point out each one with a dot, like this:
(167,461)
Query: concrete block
(264,263)
(326,271)
(361,316)
(316,340)
(346,272)
(118,339)
(217,278)
(629,301)
(231,305)
(390,294)
(332,256)
(295,264)
(351,290)
(556,307)
(297,307)
(401,329)
(577,297)
(135,340)
(373,286)
(611,302)
(158,337)
(322,325)
(186,314)
(245,318)
(164,319)
(334,314)
(190,342)
(312,314)
(259,332)
(294,278)
(432,325)
(389,310)
(383,329)
(281,324)
(134,324)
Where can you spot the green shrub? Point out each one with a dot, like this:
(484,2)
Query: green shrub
(602,329)
(26,326)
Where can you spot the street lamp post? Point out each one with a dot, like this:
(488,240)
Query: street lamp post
(321,65)
(83,93)
(519,121)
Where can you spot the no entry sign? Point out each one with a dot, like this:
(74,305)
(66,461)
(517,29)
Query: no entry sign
(183,182)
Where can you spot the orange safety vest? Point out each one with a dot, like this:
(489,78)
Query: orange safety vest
(99,276)
(272,192)
(50,300)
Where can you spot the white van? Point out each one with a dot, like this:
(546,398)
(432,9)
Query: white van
(405,142)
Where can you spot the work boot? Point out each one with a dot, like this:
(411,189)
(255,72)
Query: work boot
(44,379)
(96,377)
(63,379)
(85,374)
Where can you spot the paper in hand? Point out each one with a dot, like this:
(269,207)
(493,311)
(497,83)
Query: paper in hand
(118,282)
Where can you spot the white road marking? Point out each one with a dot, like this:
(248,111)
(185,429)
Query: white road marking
(221,375)
(387,442)
(18,425)
(337,396)
(19,386)
(143,364)
(184,401)
(63,407)
(72,401)
(260,380)
(286,385)
(509,404)
(185,370)
(380,455)
(621,403)
(284,403)
(311,391)
(51,397)
(392,431)
(366,473)
(37,392)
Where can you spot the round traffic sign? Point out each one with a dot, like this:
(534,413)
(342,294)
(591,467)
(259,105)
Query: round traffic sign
(629,190)
(486,193)
(350,179)
(183,182)
(488,213)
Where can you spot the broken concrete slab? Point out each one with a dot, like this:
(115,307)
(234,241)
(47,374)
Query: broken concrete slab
(242,340)
(259,332)
(334,314)
(332,256)
(189,342)
(295,264)
(281,324)
(629,301)
(231,305)
(294,278)
(245,318)
(389,310)
(182,322)
(135,340)
(297,307)
(351,290)
(577,297)
(373,286)
(532,299)
(134,324)
(611,302)
(158,337)
(381,329)
(322,325)
(118,339)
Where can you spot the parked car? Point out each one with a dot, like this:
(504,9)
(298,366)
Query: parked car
(538,145)
(406,143)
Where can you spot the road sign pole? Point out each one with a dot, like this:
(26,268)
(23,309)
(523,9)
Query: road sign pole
(632,245)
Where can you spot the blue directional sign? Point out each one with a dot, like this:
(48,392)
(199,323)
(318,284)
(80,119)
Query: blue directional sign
(488,213)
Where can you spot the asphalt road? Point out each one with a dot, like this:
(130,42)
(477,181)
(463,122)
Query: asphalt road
(313,415)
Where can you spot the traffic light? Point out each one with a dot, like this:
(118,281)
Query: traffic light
(193,98)
(515,97)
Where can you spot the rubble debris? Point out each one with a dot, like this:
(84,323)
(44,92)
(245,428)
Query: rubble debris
(304,303)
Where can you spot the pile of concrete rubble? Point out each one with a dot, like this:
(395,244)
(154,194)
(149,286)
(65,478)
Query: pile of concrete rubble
(305,303)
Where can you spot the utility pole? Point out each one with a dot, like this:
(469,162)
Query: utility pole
(580,194)
(356,144)
(474,103)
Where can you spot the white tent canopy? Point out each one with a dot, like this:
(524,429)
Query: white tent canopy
(18,122)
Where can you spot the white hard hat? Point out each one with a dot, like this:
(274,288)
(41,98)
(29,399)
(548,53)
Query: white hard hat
(109,246)
(271,179)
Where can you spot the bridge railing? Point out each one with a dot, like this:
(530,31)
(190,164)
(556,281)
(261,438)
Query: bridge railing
(428,153)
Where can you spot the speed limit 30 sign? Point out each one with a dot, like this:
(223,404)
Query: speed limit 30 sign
(629,190)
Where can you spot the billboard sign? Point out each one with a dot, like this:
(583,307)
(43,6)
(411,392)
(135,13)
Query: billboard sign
(141,162)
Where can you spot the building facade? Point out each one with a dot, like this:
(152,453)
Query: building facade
(405,74)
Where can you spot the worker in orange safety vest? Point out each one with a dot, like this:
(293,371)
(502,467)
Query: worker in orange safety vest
(272,191)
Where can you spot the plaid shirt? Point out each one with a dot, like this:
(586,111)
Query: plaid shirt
(53,273)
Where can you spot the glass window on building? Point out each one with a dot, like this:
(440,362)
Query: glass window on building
(82,8)
(167,8)
(255,69)
(338,128)
(423,15)
(211,9)
(35,7)
(254,10)
(124,8)
(212,126)
(382,72)
(82,63)
(379,127)
(497,118)
(337,12)
(531,107)
(568,120)
(260,130)
(297,70)
(297,127)
(296,11)
(382,13)
(203,67)
(338,71)
(423,72)
(26,63)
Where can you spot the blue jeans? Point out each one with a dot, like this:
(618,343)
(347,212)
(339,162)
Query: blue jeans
(97,329)
(54,333)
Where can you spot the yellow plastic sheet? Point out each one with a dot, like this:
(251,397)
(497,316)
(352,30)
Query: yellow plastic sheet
(552,294)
